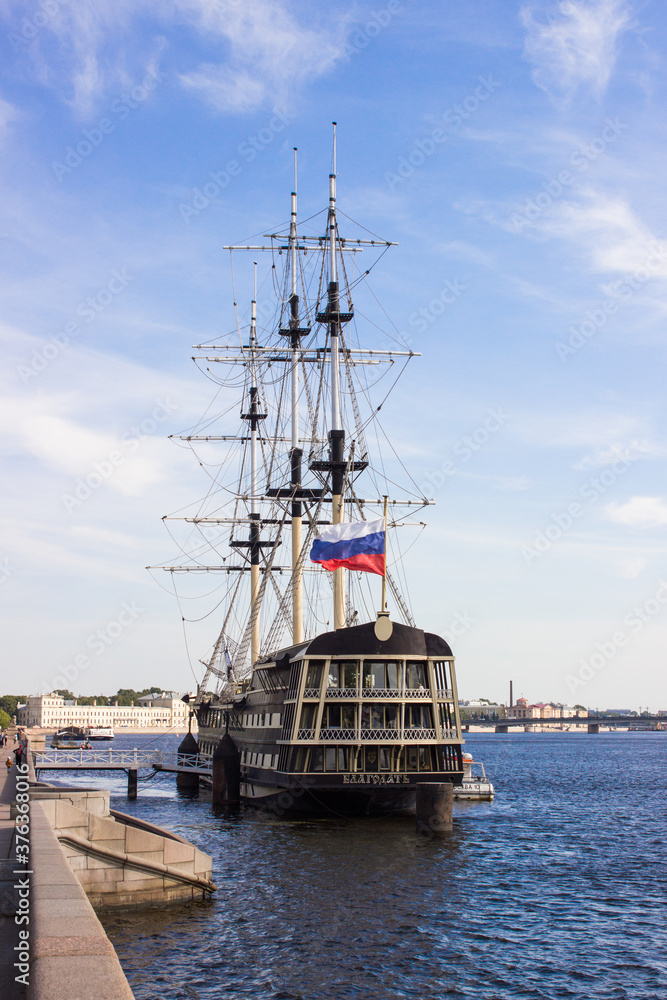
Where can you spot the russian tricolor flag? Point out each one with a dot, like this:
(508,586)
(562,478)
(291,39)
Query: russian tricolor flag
(358,545)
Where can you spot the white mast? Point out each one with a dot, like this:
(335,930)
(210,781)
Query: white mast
(297,578)
(295,355)
(337,435)
(254,492)
(333,278)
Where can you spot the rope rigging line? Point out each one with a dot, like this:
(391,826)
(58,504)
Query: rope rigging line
(298,569)
(201,688)
(244,645)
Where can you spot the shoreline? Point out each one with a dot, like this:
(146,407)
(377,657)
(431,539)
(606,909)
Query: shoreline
(125,731)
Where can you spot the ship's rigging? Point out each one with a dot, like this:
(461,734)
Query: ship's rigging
(301,450)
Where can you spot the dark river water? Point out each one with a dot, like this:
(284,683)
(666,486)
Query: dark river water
(555,890)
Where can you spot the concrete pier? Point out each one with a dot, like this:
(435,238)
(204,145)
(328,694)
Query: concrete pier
(71,956)
(78,853)
(120,860)
(434,807)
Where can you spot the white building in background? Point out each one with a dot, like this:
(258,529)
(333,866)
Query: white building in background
(161,711)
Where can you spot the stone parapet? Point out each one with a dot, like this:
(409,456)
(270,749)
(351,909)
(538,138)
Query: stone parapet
(119,860)
(71,956)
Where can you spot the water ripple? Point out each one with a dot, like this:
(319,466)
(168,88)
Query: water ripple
(557,890)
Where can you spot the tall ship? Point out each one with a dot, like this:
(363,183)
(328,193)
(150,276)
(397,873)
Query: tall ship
(319,687)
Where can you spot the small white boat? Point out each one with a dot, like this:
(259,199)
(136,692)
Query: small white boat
(474,787)
(100,733)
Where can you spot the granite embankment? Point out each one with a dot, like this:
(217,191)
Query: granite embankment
(70,956)
(68,853)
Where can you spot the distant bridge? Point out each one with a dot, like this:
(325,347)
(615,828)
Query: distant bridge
(592,722)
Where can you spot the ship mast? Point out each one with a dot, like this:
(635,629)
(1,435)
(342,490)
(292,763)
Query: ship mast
(336,434)
(295,451)
(253,418)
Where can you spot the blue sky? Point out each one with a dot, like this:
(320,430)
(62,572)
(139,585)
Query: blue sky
(515,151)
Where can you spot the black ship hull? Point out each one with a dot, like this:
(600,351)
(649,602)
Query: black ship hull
(359,795)
(347,724)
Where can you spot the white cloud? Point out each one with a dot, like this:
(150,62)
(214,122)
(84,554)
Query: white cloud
(585,428)
(224,89)
(128,462)
(7,113)
(263,50)
(85,36)
(619,452)
(577,47)
(631,568)
(268,53)
(640,512)
(608,232)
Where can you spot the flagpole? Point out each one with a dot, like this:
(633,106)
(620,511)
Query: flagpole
(384,575)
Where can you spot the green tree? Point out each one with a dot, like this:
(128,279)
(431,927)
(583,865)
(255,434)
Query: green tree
(127,695)
(8,702)
(64,693)
(4,719)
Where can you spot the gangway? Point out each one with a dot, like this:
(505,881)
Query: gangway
(130,761)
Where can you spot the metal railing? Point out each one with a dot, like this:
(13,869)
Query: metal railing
(172,758)
(369,735)
(94,758)
(339,735)
(380,693)
(364,692)
(121,759)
